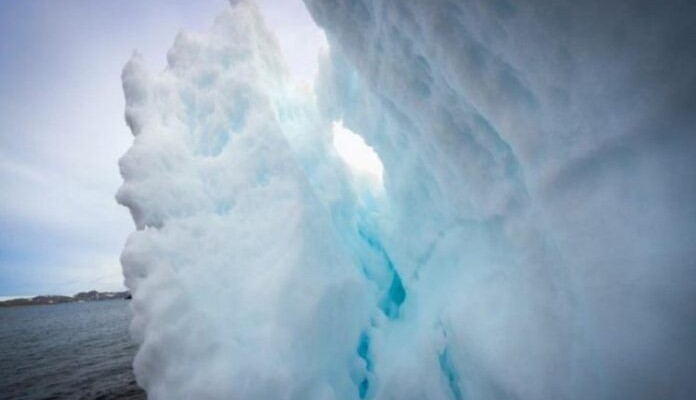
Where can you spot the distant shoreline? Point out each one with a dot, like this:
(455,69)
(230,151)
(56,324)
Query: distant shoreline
(92,295)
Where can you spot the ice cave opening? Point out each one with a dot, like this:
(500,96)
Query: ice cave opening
(355,152)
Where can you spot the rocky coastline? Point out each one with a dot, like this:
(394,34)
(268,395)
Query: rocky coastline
(92,295)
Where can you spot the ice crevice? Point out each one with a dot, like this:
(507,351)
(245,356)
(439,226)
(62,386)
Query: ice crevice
(363,352)
(390,284)
(448,370)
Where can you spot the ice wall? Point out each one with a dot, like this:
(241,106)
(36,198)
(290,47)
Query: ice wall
(540,161)
(531,236)
(241,286)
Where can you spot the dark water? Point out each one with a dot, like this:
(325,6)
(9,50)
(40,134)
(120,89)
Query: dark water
(67,351)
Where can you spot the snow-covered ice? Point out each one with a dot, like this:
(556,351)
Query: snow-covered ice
(515,219)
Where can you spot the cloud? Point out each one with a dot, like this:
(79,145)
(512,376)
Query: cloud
(62,133)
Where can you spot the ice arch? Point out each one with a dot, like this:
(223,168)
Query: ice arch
(532,219)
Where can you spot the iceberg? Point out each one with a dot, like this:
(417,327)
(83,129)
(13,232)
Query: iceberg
(519,223)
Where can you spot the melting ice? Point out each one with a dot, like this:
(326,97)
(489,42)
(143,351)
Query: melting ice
(475,200)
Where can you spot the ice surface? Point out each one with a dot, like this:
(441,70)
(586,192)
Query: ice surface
(530,235)
(238,276)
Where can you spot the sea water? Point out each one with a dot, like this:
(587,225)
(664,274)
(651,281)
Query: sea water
(67,351)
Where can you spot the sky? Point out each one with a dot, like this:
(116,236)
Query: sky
(62,129)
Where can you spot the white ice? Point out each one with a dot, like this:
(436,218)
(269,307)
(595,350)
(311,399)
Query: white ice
(513,220)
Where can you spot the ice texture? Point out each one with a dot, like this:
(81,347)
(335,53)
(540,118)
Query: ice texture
(531,234)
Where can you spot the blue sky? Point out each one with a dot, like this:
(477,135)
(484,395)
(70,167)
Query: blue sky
(62,129)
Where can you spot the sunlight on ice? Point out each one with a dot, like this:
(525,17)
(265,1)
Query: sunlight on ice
(355,152)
